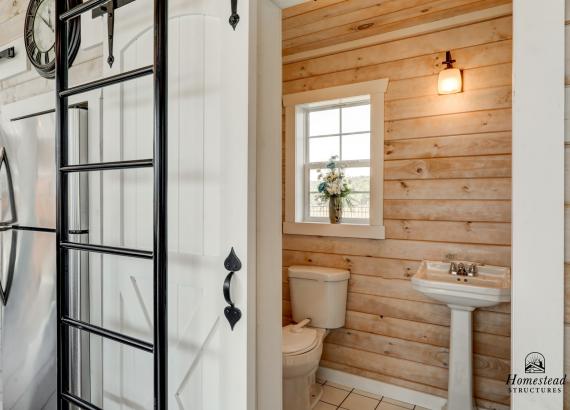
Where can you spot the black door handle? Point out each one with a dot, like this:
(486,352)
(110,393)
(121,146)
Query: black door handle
(4,163)
(232,264)
(234,18)
(6,287)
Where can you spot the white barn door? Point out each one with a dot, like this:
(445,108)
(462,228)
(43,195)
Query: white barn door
(208,208)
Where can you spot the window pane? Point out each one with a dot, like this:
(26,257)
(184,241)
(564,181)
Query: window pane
(324,122)
(318,208)
(355,146)
(356,119)
(359,207)
(313,180)
(359,178)
(322,148)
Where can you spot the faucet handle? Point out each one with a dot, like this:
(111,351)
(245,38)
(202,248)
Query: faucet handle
(472,271)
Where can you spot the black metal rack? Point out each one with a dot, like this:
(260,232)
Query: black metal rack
(159,162)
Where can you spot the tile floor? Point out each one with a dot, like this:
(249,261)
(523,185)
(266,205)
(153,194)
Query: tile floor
(339,397)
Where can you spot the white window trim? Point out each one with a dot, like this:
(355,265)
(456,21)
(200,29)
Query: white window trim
(294,161)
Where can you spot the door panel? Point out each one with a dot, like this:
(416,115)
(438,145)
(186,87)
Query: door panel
(208,207)
(29,370)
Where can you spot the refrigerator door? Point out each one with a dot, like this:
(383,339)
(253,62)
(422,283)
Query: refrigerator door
(27,260)
(30,147)
(29,322)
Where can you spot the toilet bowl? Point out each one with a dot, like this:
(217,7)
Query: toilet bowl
(318,300)
(302,350)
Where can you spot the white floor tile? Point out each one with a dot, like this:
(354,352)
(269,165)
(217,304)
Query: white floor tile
(397,403)
(324,406)
(384,405)
(333,395)
(358,402)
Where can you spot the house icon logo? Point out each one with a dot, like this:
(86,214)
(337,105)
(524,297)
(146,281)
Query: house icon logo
(534,363)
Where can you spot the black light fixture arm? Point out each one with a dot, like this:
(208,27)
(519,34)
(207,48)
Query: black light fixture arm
(448,60)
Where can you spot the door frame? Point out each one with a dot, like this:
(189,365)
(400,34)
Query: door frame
(268,66)
(537,207)
(538,193)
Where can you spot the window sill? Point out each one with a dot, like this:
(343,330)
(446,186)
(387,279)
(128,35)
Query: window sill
(340,230)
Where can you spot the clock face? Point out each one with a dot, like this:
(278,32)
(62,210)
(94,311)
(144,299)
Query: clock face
(39,34)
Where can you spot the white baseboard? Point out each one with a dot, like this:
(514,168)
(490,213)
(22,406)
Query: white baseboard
(428,401)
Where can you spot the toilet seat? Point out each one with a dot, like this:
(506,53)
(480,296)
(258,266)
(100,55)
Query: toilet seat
(299,340)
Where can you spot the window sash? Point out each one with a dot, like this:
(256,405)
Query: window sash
(340,106)
(308,166)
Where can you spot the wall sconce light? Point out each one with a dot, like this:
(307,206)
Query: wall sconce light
(449,80)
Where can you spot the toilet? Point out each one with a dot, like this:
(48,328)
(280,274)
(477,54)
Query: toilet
(318,303)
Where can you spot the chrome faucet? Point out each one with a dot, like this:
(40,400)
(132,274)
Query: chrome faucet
(459,269)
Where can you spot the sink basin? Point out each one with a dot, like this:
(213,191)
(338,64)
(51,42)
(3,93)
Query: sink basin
(491,285)
(463,294)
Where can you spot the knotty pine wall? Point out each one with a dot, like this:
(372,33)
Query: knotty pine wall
(447,195)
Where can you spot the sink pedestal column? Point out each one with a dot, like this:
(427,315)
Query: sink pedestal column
(460,385)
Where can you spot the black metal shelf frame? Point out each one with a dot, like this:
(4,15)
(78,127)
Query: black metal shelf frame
(159,70)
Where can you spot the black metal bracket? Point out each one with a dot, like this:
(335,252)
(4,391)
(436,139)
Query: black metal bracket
(232,313)
(101,11)
(109,9)
(110,31)
(8,53)
(234,18)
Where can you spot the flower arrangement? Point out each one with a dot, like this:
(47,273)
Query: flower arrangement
(334,187)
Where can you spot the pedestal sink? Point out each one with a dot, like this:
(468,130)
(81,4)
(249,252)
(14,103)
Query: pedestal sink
(463,294)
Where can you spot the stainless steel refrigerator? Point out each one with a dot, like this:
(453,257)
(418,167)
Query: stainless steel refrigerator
(28,256)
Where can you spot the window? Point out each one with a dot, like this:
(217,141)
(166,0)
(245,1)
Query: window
(347,123)
(341,131)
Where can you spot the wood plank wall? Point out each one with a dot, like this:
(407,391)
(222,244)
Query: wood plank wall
(447,189)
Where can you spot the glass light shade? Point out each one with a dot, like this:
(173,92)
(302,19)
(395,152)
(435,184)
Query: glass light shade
(449,81)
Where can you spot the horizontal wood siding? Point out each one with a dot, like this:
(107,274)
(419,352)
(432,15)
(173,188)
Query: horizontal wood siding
(447,187)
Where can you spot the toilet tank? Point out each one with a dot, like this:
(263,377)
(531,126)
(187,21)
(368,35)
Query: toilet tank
(319,294)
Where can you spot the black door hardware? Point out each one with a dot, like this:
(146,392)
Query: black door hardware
(158,348)
(234,18)
(117,4)
(110,31)
(5,287)
(10,186)
(232,264)
(8,53)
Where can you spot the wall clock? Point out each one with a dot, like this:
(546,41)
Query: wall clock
(39,35)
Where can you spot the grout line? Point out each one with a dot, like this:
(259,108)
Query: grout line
(347,396)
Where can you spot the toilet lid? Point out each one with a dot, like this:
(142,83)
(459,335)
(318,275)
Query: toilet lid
(298,341)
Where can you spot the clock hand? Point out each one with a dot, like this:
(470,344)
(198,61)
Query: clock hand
(47,23)
(49,18)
